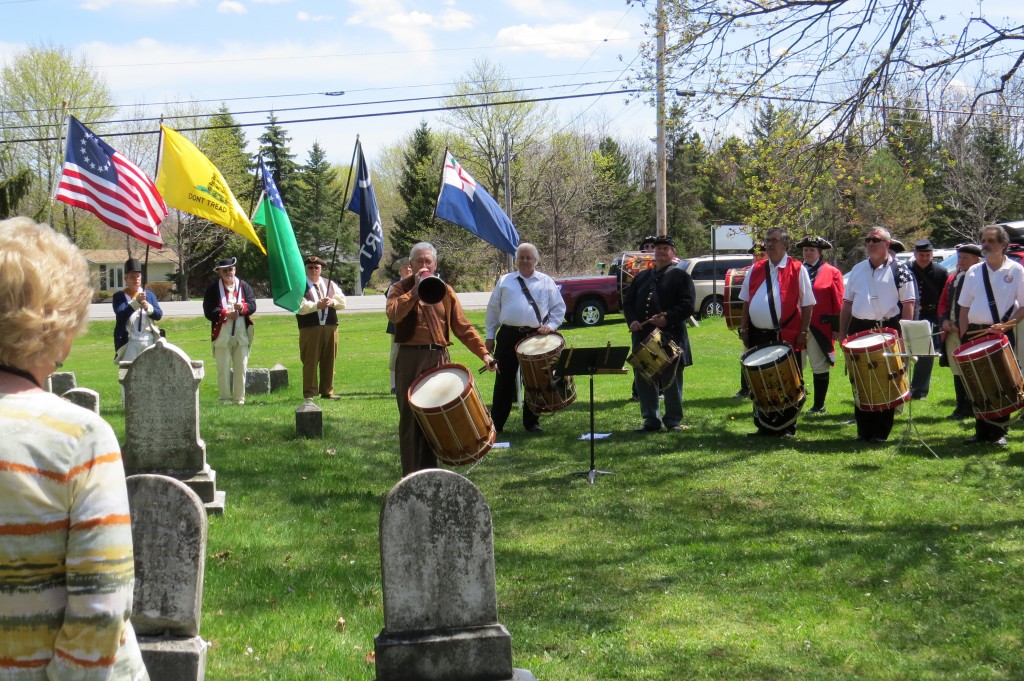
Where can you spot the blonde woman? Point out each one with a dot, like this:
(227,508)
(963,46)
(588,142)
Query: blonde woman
(66,566)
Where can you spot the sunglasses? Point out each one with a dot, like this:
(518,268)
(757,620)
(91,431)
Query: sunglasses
(873,240)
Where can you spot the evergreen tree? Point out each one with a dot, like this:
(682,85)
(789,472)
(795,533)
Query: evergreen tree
(621,206)
(317,205)
(279,158)
(418,189)
(686,183)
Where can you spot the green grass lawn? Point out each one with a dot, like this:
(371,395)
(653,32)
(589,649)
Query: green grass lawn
(708,555)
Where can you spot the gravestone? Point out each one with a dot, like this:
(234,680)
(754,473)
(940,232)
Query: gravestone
(62,381)
(84,397)
(169,537)
(309,420)
(278,377)
(437,575)
(161,420)
(257,381)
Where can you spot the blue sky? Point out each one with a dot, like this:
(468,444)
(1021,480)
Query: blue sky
(261,54)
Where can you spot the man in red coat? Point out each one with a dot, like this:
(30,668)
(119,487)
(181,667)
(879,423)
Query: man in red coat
(967,256)
(827,282)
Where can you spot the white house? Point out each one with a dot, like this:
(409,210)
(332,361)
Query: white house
(107,266)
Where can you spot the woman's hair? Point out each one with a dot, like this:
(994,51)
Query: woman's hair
(44,293)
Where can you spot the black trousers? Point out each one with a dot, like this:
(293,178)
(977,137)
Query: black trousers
(873,424)
(504,395)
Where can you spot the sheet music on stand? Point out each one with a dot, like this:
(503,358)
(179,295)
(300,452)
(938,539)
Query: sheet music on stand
(918,337)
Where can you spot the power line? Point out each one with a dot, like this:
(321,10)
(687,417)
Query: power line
(341,118)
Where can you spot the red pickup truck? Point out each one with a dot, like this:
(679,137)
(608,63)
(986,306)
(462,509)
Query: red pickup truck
(588,299)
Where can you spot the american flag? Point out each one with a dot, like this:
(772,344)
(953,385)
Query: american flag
(99,179)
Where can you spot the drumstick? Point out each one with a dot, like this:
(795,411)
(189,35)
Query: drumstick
(979,332)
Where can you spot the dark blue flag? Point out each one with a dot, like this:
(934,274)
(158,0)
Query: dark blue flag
(371,238)
(465,203)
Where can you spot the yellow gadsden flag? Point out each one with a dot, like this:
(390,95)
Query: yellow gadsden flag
(189,182)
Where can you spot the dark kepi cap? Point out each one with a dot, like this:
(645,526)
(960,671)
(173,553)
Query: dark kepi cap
(662,241)
(970,249)
(923,245)
(814,242)
(225,262)
(132,265)
(896,246)
(315,260)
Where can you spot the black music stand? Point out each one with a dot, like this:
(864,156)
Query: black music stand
(913,350)
(590,361)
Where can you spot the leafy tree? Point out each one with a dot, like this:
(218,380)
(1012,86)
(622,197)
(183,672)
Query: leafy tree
(744,51)
(40,86)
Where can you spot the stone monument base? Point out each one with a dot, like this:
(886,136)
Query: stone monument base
(471,654)
(203,483)
(174,658)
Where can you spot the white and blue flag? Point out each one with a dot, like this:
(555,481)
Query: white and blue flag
(465,203)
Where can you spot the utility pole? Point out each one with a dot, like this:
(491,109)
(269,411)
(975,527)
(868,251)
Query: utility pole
(659,186)
(506,165)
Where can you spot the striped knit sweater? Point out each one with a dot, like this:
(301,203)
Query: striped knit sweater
(66,565)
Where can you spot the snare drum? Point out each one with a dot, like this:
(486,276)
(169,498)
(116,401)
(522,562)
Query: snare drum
(545,393)
(774,378)
(733,304)
(991,376)
(876,371)
(451,414)
(656,360)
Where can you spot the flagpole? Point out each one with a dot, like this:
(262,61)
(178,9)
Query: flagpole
(255,184)
(64,157)
(337,234)
(156,169)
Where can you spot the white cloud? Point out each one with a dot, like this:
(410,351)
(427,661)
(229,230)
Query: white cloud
(573,41)
(306,16)
(412,29)
(231,7)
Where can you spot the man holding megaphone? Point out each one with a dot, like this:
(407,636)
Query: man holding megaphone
(425,312)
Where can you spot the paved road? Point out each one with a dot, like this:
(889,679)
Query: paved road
(265,306)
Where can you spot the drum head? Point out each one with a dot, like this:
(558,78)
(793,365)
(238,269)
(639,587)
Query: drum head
(766,355)
(871,341)
(980,349)
(539,345)
(439,388)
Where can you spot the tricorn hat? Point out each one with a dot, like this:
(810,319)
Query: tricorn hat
(758,247)
(814,242)
(224,263)
(647,240)
(132,265)
(315,260)
(896,246)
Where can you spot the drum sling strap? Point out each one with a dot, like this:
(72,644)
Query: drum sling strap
(533,303)
(771,305)
(996,319)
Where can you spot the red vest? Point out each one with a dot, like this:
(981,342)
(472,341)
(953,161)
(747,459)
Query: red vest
(789,292)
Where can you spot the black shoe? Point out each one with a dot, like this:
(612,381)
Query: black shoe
(973,440)
(816,410)
(879,440)
(535,428)
(1001,442)
(742,394)
(850,422)
(647,429)
(761,433)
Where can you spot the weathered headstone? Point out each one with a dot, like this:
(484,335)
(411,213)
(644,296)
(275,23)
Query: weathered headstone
(161,420)
(278,377)
(169,536)
(62,381)
(309,420)
(257,381)
(437,574)
(84,397)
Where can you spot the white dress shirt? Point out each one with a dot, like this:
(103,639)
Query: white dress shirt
(509,306)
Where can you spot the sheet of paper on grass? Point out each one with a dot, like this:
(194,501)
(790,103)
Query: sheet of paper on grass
(597,436)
